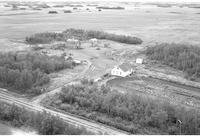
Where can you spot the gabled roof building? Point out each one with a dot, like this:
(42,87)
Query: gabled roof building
(122,70)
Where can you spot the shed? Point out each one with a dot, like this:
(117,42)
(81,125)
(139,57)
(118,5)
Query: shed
(139,61)
(93,42)
(74,43)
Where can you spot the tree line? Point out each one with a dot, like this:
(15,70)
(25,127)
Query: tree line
(129,112)
(183,57)
(28,72)
(42,122)
(48,37)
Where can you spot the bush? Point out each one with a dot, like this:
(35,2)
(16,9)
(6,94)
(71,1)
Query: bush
(28,72)
(85,35)
(128,112)
(112,8)
(53,12)
(42,38)
(43,123)
(67,11)
(179,56)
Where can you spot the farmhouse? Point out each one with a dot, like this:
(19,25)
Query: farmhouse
(122,70)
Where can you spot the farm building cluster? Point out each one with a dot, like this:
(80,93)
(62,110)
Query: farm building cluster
(122,70)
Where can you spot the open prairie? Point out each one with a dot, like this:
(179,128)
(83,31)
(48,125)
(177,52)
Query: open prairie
(151,23)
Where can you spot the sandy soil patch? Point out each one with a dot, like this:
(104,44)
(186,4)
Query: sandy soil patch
(8,130)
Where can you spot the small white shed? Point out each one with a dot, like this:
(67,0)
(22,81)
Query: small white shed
(139,61)
(93,42)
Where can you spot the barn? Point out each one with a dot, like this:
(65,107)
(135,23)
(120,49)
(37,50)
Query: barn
(122,70)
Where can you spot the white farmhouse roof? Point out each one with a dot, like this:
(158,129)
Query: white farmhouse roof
(139,60)
(93,40)
(97,79)
(77,61)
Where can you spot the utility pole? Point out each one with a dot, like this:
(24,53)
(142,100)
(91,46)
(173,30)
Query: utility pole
(180,124)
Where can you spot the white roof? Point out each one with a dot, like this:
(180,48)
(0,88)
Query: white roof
(72,40)
(94,39)
(139,60)
(77,61)
(97,79)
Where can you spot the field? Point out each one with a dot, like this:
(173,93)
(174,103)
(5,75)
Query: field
(156,25)
(152,87)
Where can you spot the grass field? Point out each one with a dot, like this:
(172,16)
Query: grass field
(156,25)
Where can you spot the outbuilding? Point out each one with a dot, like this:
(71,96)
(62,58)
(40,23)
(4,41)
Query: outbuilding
(139,61)
(74,43)
(93,42)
